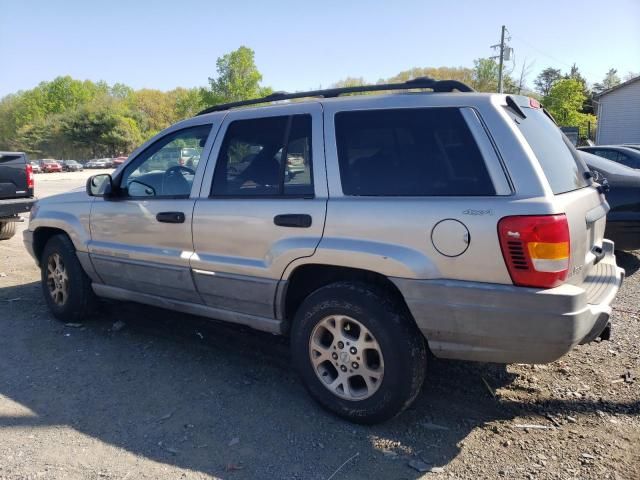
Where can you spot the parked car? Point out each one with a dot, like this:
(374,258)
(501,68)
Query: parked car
(72,166)
(623,220)
(49,165)
(460,221)
(16,191)
(35,167)
(623,155)
(189,156)
(635,146)
(99,163)
(118,161)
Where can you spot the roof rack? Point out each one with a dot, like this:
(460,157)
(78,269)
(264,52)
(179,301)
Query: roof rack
(420,82)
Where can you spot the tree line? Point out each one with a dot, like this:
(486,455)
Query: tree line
(69,118)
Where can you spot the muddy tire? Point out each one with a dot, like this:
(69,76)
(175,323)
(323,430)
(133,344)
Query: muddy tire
(7,230)
(65,285)
(358,352)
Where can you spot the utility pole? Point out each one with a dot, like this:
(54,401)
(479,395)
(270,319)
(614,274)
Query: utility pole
(501,60)
(505,54)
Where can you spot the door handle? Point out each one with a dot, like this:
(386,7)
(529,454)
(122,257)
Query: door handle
(170,217)
(295,220)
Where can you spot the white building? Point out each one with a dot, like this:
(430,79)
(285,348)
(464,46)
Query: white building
(618,111)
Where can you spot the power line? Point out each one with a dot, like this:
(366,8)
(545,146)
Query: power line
(540,51)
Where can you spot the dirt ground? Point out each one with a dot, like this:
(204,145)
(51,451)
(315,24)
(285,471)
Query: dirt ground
(141,393)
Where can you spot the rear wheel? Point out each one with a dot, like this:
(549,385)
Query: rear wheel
(7,230)
(359,355)
(65,285)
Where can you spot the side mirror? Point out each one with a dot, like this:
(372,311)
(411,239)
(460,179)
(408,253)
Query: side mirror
(100,185)
(139,189)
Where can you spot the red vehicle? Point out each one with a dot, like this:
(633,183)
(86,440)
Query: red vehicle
(119,161)
(49,166)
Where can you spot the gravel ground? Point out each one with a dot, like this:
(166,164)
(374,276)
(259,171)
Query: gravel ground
(139,392)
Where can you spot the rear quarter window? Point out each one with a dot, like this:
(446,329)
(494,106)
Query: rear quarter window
(409,152)
(557,157)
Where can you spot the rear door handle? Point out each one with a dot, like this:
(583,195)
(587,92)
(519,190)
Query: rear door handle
(295,220)
(170,217)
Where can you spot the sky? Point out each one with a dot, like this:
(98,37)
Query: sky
(301,44)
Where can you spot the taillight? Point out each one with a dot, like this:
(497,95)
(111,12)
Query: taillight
(29,171)
(535,249)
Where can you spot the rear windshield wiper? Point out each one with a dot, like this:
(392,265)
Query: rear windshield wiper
(515,107)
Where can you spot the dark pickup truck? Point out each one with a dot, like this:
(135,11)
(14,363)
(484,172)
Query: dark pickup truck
(16,191)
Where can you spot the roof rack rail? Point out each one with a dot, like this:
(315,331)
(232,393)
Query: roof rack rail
(420,82)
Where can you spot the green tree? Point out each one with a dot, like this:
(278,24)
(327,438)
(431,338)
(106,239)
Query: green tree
(546,79)
(101,129)
(349,82)
(120,90)
(153,109)
(187,102)
(565,101)
(65,93)
(611,79)
(574,73)
(43,138)
(123,136)
(238,79)
(485,75)
(8,123)
(462,74)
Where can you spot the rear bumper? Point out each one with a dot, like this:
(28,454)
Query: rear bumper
(15,206)
(508,324)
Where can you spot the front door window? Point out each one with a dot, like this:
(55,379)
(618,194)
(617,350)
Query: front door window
(167,168)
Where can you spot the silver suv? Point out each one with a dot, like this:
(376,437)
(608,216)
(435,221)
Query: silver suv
(454,222)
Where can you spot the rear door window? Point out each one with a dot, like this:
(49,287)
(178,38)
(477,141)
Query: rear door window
(268,156)
(409,152)
(558,158)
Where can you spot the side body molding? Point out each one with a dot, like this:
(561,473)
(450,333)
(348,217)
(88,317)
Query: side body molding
(383,258)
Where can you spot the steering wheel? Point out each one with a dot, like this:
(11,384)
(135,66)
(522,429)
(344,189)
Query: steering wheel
(177,168)
(173,181)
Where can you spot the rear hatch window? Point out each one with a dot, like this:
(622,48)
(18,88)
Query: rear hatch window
(557,157)
(584,208)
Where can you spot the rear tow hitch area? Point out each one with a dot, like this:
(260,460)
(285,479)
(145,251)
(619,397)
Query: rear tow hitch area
(599,332)
(606,333)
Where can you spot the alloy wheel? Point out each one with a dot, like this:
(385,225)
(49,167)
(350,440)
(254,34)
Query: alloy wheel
(57,279)
(346,357)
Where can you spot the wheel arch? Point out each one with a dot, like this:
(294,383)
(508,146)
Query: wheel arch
(41,236)
(309,277)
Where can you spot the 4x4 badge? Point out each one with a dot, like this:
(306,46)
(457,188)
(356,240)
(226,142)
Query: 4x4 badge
(471,211)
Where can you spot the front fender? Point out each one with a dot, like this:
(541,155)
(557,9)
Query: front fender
(71,217)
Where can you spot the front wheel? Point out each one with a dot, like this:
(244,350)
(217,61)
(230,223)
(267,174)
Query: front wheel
(65,285)
(358,353)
